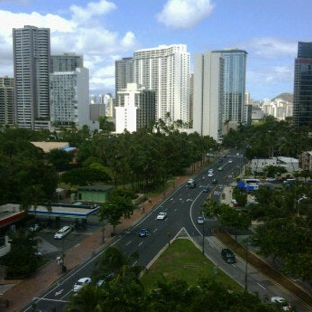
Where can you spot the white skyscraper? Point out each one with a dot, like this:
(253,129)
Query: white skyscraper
(136,108)
(165,70)
(31,55)
(208,94)
(70,98)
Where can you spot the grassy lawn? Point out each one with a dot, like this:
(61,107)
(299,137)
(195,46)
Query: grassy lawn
(183,261)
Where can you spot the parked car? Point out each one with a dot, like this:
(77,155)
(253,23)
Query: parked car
(62,232)
(234,201)
(228,255)
(230,161)
(270,179)
(162,215)
(144,232)
(82,282)
(210,174)
(200,219)
(34,228)
(280,301)
(214,181)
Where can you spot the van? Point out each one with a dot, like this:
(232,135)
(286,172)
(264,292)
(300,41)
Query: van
(62,232)
(228,255)
(191,183)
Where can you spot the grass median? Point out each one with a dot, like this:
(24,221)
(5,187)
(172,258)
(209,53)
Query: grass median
(182,260)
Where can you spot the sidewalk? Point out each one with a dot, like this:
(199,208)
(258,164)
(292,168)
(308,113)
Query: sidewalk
(23,291)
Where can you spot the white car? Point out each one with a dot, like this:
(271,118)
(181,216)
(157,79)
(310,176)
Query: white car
(34,228)
(230,161)
(82,282)
(62,232)
(281,302)
(210,174)
(162,215)
(234,201)
(270,179)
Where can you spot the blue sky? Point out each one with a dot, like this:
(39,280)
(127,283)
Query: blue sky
(105,30)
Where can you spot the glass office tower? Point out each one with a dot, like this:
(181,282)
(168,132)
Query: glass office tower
(234,84)
(302,115)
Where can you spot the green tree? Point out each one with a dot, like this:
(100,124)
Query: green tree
(84,176)
(59,157)
(22,248)
(117,206)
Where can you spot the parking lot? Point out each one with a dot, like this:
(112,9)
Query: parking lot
(50,247)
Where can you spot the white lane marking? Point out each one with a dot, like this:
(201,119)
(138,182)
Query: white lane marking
(58,292)
(261,286)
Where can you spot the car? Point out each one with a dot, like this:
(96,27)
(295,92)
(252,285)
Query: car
(270,179)
(38,254)
(228,255)
(210,174)
(206,190)
(220,160)
(107,279)
(280,301)
(210,170)
(234,201)
(200,219)
(34,228)
(191,183)
(214,181)
(162,215)
(143,233)
(230,161)
(81,282)
(62,232)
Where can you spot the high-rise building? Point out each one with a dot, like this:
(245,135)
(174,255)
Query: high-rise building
(70,98)
(137,108)
(208,94)
(166,70)
(31,57)
(234,85)
(66,62)
(302,103)
(123,74)
(6,101)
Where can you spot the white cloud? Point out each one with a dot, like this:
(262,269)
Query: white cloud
(83,14)
(182,14)
(273,47)
(83,33)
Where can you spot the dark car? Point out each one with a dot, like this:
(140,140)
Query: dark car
(144,232)
(214,181)
(206,190)
(228,255)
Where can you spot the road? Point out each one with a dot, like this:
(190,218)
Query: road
(183,207)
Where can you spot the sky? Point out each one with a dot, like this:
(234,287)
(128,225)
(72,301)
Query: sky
(107,30)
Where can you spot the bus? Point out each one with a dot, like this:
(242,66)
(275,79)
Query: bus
(252,183)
